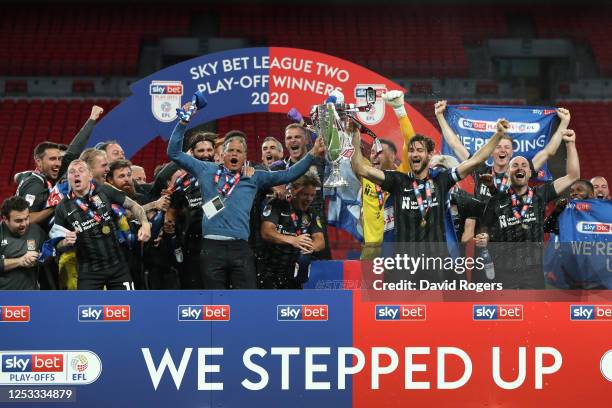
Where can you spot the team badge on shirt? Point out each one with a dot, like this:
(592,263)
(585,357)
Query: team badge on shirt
(31,245)
(305,221)
(267,211)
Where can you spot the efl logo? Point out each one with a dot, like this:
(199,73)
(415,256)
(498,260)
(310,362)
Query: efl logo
(401,312)
(14,313)
(104,313)
(591,312)
(193,313)
(498,312)
(157,88)
(34,363)
(585,227)
(301,312)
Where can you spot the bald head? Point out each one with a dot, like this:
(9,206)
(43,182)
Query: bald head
(519,171)
(600,186)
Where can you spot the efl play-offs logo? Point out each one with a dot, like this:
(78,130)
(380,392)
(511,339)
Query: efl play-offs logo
(301,312)
(585,227)
(401,312)
(194,313)
(49,367)
(490,126)
(591,312)
(104,313)
(498,312)
(165,99)
(14,313)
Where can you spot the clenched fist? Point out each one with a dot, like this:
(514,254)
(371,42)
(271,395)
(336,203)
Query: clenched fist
(502,125)
(96,112)
(440,107)
(395,99)
(569,136)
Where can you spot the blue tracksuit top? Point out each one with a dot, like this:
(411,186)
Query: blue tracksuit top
(233,220)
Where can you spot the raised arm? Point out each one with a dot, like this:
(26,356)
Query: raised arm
(451,137)
(467,166)
(555,141)
(360,167)
(77,145)
(572,164)
(176,154)
(395,99)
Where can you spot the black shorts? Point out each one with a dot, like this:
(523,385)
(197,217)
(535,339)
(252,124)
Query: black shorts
(115,277)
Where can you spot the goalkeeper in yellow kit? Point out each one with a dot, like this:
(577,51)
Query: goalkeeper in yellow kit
(377,216)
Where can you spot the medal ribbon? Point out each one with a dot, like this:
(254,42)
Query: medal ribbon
(502,183)
(85,207)
(299,230)
(182,182)
(515,203)
(381,196)
(230,183)
(422,208)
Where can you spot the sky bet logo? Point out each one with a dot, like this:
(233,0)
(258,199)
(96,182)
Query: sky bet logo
(14,313)
(165,89)
(585,227)
(401,312)
(498,312)
(301,312)
(591,312)
(104,313)
(194,313)
(32,363)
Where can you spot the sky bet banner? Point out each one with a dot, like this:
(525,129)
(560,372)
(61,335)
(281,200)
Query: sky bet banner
(581,256)
(530,127)
(245,81)
(302,349)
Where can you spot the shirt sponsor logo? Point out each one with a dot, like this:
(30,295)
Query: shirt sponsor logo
(401,312)
(591,312)
(104,313)
(14,313)
(194,313)
(497,312)
(585,227)
(301,312)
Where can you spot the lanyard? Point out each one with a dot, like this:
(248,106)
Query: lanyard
(230,183)
(422,208)
(85,207)
(515,203)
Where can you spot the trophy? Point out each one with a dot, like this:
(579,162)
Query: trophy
(330,120)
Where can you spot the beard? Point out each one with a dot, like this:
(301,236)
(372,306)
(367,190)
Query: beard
(129,190)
